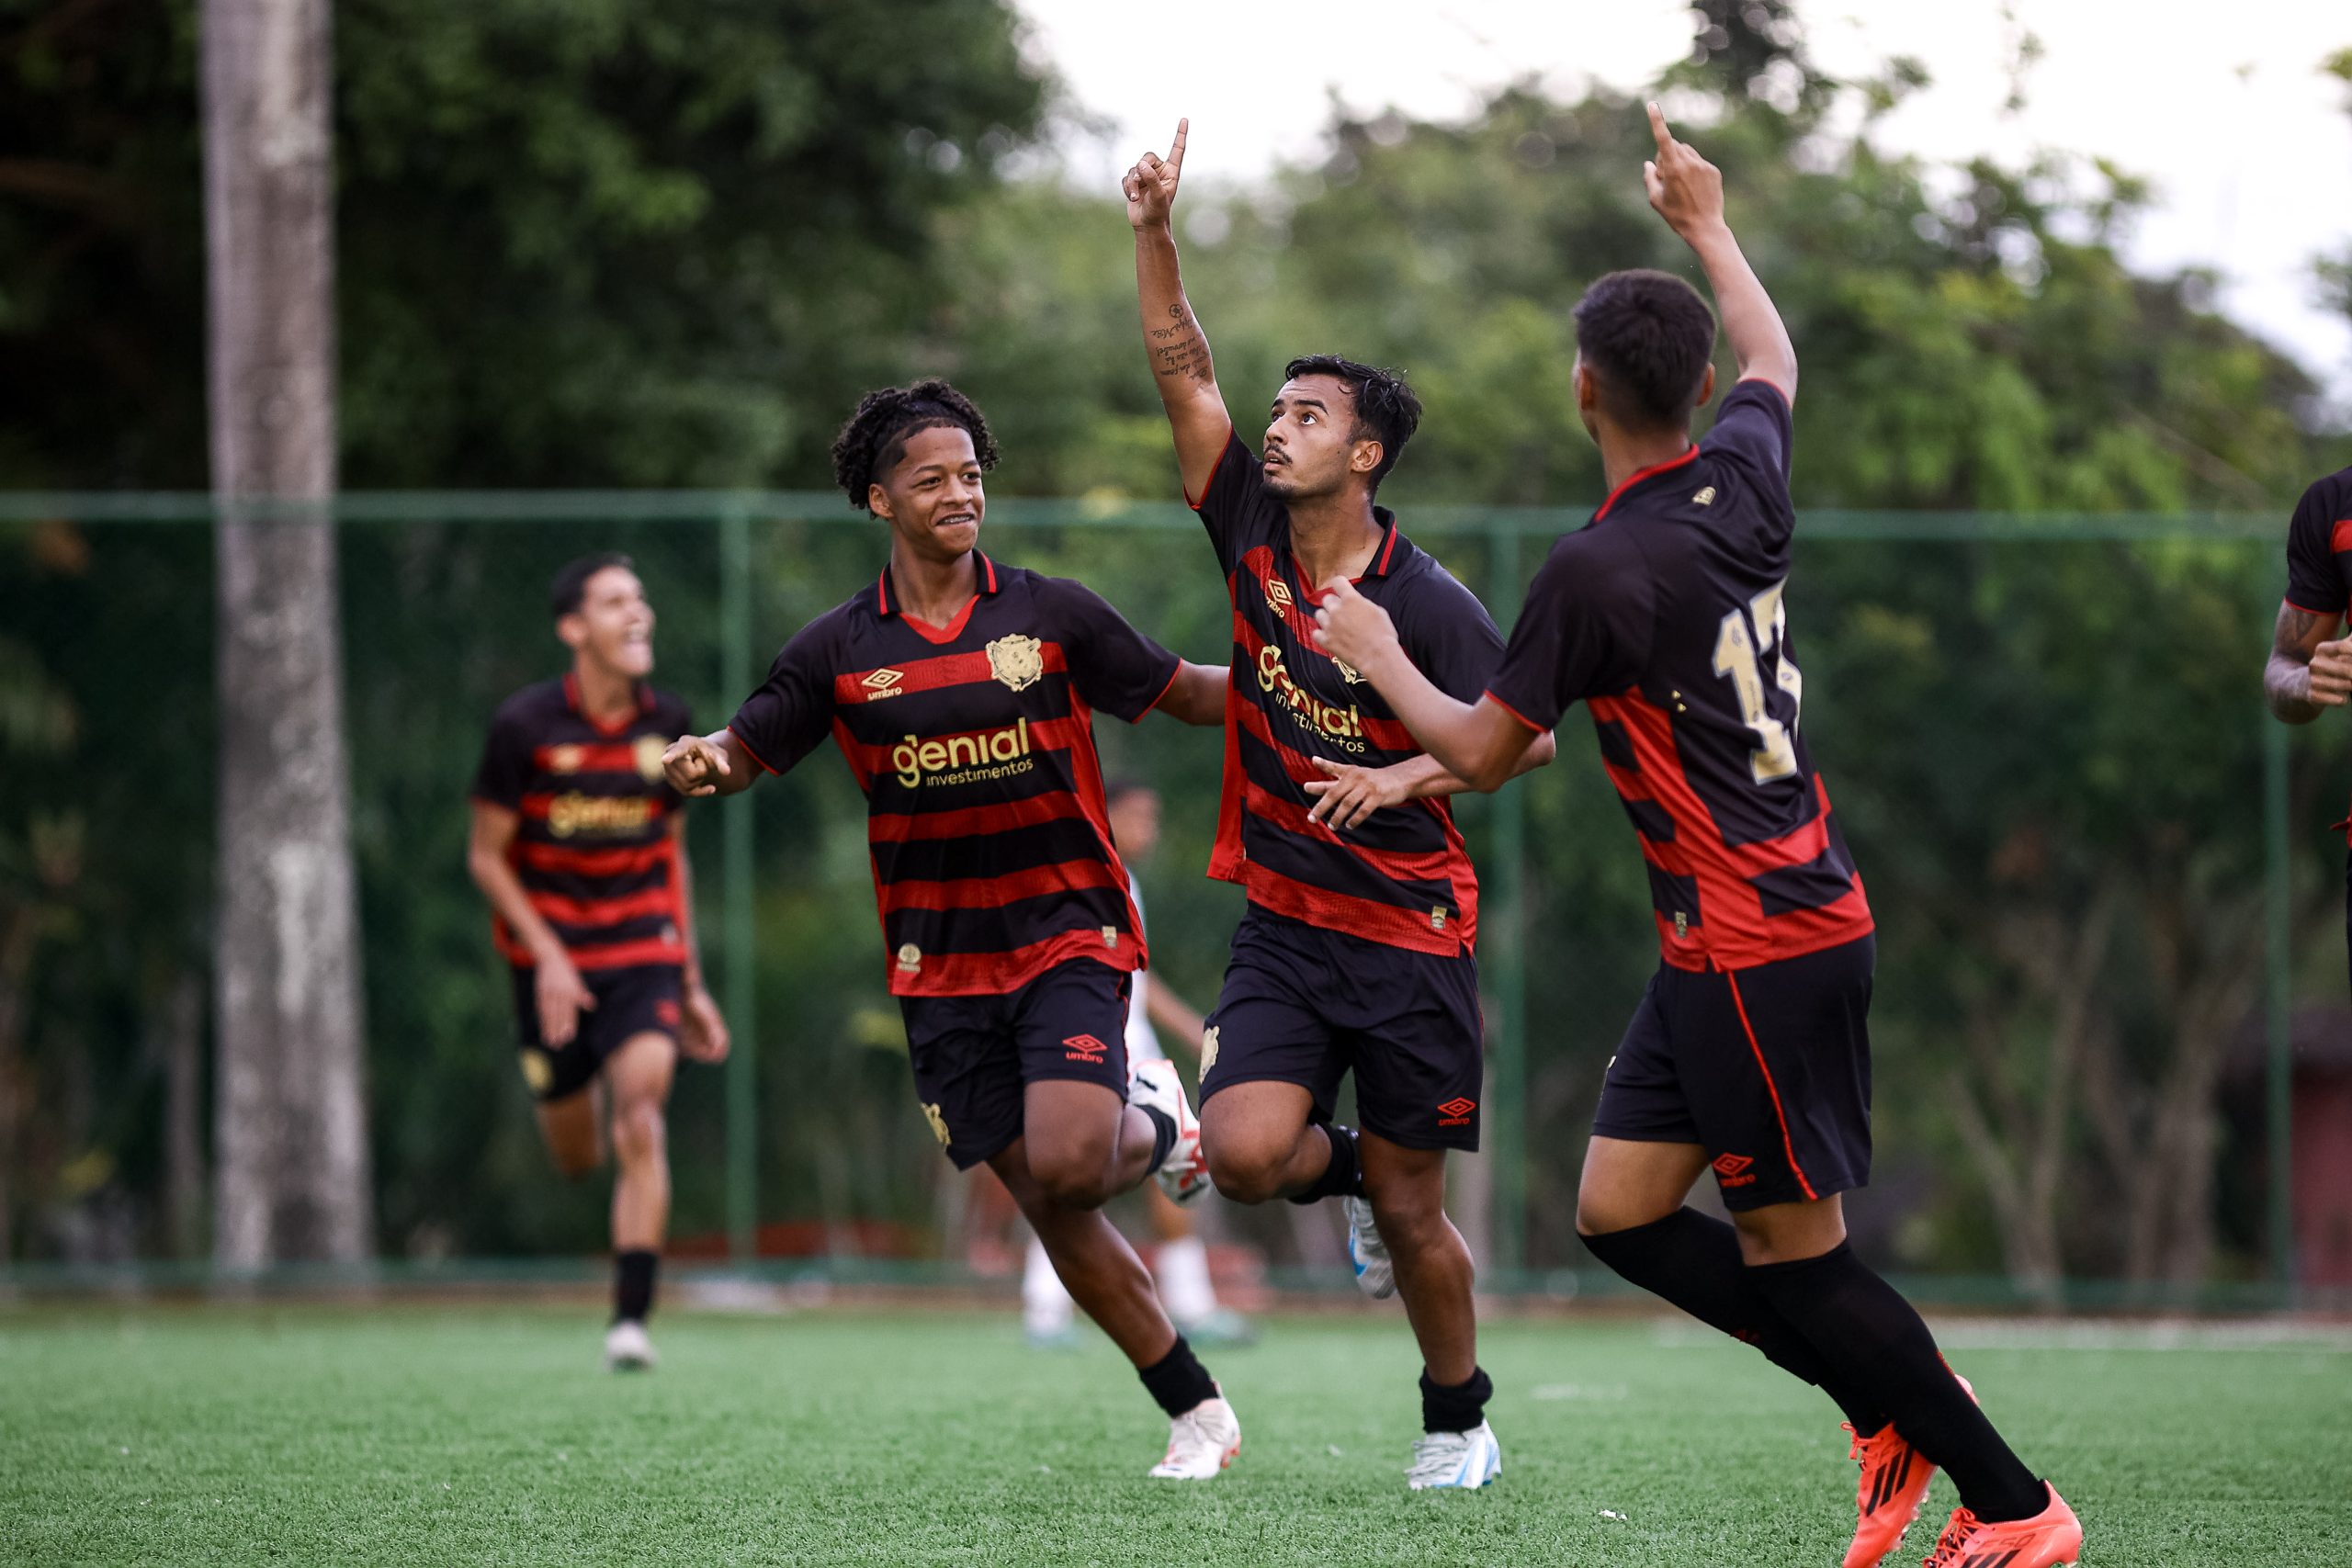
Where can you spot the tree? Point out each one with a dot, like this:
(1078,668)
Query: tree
(292,1129)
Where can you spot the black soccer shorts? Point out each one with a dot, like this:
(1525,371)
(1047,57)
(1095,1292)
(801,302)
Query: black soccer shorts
(639,999)
(1306,1006)
(1767,1069)
(973,1055)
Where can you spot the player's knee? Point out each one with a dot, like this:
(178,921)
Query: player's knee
(638,1133)
(1246,1173)
(1071,1176)
(1409,1214)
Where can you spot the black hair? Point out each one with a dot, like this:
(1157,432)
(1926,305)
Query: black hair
(1386,410)
(571,584)
(1648,335)
(876,436)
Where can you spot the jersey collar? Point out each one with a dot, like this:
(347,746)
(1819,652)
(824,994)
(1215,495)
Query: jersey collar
(571,701)
(886,592)
(1384,560)
(1690,454)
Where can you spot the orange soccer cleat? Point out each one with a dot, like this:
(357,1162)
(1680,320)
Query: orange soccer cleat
(2052,1538)
(1894,1485)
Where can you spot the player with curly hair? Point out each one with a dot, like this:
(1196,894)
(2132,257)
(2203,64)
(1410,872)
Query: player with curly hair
(962,692)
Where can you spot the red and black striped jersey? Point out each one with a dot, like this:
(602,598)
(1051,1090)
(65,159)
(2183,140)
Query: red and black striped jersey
(592,847)
(973,743)
(2318,556)
(1402,878)
(2319,547)
(1667,616)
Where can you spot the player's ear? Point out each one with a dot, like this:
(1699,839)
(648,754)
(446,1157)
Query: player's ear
(877,501)
(1588,389)
(1366,456)
(572,629)
(1706,387)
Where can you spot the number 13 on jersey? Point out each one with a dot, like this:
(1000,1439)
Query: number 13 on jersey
(1750,636)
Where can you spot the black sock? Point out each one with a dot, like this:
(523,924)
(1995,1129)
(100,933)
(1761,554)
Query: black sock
(1873,1338)
(1693,1261)
(633,1284)
(1455,1409)
(1164,1136)
(1343,1177)
(1177,1379)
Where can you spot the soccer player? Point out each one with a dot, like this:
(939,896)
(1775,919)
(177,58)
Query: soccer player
(1749,1054)
(1356,951)
(579,846)
(962,692)
(1181,1261)
(2311,666)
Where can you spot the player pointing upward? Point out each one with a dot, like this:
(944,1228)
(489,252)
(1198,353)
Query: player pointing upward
(1749,1054)
(1355,955)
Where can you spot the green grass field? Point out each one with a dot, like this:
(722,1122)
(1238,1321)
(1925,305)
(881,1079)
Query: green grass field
(319,1434)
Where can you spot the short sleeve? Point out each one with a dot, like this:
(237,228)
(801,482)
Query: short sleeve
(505,769)
(792,712)
(2319,550)
(1235,507)
(1115,667)
(1584,631)
(1754,424)
(1450,638)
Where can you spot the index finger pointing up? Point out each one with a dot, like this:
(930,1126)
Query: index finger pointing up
(1659,130)
(1176,148)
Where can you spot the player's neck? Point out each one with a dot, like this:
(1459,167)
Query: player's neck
(1334,535)
(1625,453)
(604,695)
(933,591)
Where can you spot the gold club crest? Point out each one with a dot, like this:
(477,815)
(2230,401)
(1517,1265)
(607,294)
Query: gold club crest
(1017,660)
(647,754)
(1348,672)
(1208,1049)
(566,759)
(938,1123)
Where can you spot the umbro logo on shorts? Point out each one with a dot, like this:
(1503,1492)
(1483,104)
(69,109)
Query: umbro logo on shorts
(1731,1170)
(1084,1048)
(1456,1112)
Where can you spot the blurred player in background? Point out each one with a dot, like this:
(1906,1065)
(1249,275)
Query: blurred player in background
(962,694)
(1749,1056)
(2311,662)
(579,848)
(1357,951)
(1180,1260)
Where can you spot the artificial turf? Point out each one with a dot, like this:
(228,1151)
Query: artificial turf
(412,1435)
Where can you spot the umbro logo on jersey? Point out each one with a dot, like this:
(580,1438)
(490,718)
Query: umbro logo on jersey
(1456,1112)
(1731,1170)
(883,684)
(1278,594)
(1085,1048)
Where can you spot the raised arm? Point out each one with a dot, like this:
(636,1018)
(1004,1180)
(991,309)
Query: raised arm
(1687,192)
(1171,335)
(2310,669)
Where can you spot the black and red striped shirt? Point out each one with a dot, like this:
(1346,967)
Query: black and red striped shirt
(1402,878)
(593,848)
(2318,556)
(973,743)
(1665,615)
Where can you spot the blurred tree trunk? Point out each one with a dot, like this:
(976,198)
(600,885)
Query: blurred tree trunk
(291,1155)
(180,1025)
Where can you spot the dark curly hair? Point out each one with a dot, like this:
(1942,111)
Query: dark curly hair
(876,436)
(1386,410)
(1649,335)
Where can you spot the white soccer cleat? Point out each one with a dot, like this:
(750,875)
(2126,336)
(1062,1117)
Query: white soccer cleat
(1201,1443)
(1375,1275)
(1446,1460)
(627,1348)
(1184,1174)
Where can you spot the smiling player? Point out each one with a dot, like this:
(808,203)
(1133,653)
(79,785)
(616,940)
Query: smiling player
(962,692)
(1749,1056)
(578,845)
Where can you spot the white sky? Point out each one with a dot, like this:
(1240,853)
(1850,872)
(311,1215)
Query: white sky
(2222,107)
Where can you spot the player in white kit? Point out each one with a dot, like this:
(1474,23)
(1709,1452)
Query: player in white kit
(1180,1262)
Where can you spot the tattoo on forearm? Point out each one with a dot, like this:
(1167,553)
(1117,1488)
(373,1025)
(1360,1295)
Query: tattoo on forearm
(1179,351)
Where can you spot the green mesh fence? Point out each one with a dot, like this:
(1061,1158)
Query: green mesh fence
(2107,896)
